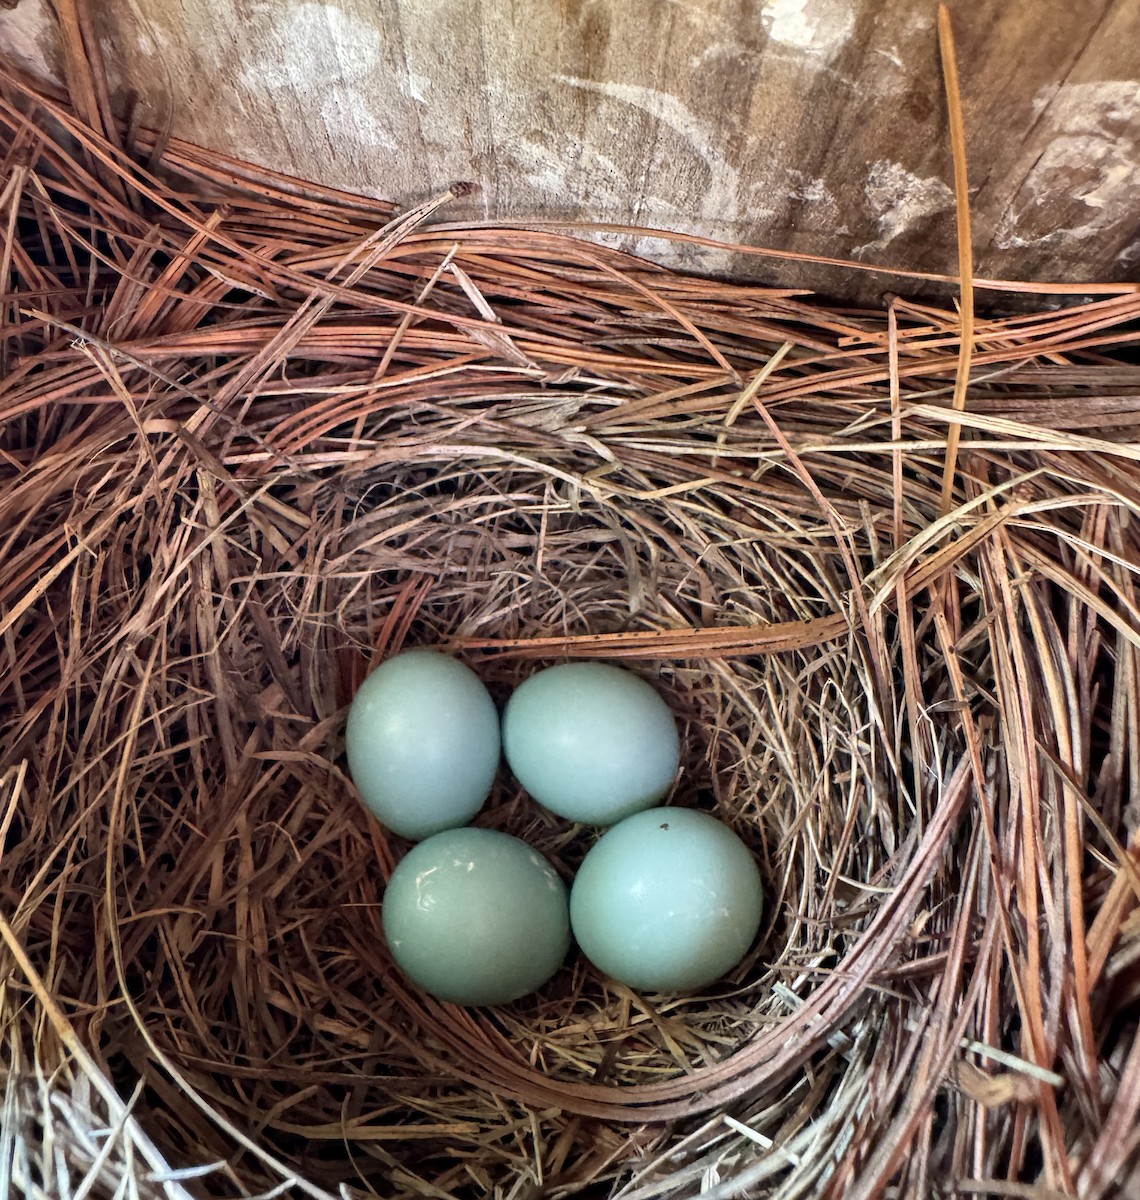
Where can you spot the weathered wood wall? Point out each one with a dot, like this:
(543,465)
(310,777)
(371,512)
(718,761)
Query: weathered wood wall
(812,125)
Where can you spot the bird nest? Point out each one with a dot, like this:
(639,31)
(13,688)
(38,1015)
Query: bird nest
(257,435)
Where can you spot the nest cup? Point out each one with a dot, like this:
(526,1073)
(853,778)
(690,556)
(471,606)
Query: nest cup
(490,553)
(248,880)
(256,446)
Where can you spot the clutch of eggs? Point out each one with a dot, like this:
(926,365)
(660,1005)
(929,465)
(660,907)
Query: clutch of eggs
(667,900)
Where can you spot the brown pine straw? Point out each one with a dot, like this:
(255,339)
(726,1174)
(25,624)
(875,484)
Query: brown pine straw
(257,434)
(957,124)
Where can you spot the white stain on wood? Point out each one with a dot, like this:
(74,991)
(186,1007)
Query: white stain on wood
(898,199)
(311,46)
(719,198)
(802,187)
(416,87)
(821,208)
(1093,156)
(817,27)
(560,166)
(347,114)
(27,34)
(319,53)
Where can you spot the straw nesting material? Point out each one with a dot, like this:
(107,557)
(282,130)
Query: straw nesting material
(257,435)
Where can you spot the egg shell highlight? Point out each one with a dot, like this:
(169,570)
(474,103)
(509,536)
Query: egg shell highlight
(475,916)
(591,742)
(423,743)
(669,900)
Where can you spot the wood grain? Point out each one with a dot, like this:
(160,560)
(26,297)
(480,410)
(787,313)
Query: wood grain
(816,126)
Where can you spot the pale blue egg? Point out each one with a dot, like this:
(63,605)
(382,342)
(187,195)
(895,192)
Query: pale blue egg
(423,743)
(591,742)
(475,916)
(667,901)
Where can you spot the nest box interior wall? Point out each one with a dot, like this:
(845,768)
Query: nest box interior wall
(811,125)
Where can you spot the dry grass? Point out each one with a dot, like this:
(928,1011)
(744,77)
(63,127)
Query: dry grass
(256,435)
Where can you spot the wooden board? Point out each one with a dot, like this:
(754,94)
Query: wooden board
(811,125)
